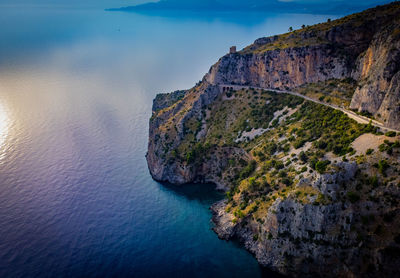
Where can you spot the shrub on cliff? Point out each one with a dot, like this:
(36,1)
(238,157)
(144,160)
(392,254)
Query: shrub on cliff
(197,152)
(383,166)
(246,172)
(353,197)
(190,156)
(390,134)
(321,166)
(303,157)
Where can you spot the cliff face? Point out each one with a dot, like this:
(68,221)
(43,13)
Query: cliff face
(287,68)
(316,239)
(364,47)
(378,72)
(165,136)
(171,140)
(309,191)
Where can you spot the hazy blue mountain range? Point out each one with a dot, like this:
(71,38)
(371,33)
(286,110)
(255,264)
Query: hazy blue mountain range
(257,5)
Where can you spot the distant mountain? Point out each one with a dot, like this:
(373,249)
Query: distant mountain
(254,6)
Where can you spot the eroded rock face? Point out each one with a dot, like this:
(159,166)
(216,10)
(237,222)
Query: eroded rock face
(299,240)
(281,69)
(303,239)
(330,184)
(379,78)
(175,172)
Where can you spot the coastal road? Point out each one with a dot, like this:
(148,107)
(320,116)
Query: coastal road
(351,114)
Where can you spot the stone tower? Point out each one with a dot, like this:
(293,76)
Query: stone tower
(232,50)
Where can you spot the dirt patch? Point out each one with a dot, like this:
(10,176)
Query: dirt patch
(370,141)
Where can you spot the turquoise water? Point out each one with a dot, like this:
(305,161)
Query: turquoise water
(76,88)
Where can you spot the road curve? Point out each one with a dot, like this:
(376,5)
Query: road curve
(351,114)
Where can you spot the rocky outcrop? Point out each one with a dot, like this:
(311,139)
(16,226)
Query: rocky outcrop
(160,143)
(166,135)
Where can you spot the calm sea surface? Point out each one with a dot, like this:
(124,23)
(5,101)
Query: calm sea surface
(76,89)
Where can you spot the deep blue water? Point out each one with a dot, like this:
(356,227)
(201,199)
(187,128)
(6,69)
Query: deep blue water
(76,88)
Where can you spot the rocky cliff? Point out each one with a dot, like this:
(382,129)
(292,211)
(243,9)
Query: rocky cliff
(364,47)
(309,191)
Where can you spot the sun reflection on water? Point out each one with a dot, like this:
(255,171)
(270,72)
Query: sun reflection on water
(4,128)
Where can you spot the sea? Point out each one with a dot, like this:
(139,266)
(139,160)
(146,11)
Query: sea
(76,91)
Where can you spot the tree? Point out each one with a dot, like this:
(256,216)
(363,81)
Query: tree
(303,157)
(383,166)
(390,134)
(303,26)
(320,166)
(369,151)
(290,29)
(374,181)
(246,171)
(329,20)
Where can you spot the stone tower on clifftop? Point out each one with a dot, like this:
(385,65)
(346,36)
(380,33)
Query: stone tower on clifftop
(232,50)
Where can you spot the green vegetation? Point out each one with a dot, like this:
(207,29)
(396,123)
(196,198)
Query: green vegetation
(383,165)
(369,151)
(320,166)
(303,157)
(272,172)
(249,110)
(331,130)
(327,130)
(390,134)
(389,147)
(353,197)
(197,153)
(246,172)
(166,100)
